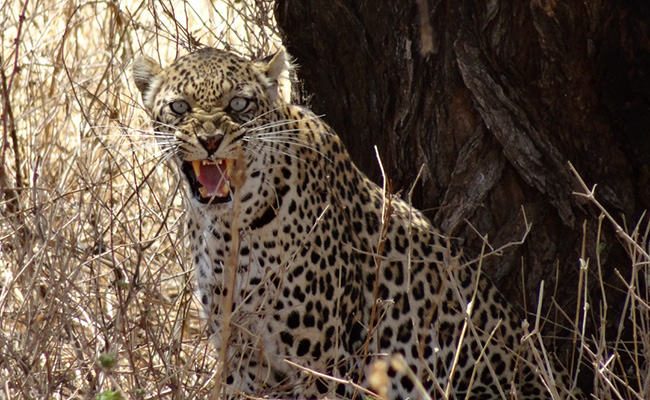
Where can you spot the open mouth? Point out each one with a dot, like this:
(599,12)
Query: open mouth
(209,180)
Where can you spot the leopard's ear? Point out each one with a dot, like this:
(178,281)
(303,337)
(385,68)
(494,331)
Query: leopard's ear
(272,67)
(279,63)
(145,71)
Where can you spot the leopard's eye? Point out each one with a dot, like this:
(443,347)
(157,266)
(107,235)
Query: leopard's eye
(239,104)
(179,107)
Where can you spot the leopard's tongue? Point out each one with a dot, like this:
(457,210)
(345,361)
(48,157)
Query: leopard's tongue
(213,177)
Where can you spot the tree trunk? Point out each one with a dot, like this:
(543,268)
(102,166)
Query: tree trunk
(494,99)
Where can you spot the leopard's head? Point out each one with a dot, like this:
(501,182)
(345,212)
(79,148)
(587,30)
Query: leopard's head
(209,106)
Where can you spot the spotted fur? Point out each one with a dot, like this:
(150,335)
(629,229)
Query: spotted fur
(309,269)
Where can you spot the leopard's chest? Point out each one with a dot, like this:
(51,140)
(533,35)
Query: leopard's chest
(259,265)
(278,277)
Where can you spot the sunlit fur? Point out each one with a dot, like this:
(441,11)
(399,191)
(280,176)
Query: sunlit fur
(321,250)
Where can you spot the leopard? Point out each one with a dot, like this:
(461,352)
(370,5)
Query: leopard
(339,288)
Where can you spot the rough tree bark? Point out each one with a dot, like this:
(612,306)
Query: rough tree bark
(493,98)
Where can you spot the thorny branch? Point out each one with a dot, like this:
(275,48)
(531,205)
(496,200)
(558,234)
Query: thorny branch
(8,125)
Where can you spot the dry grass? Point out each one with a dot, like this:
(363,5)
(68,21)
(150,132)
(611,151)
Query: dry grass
(95,285)
(621,366)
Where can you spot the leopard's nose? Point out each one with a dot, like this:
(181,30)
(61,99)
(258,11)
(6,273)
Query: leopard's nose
(210,143)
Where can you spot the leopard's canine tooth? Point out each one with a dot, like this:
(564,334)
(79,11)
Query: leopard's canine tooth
(196,165)
(230,164)
(224,190)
